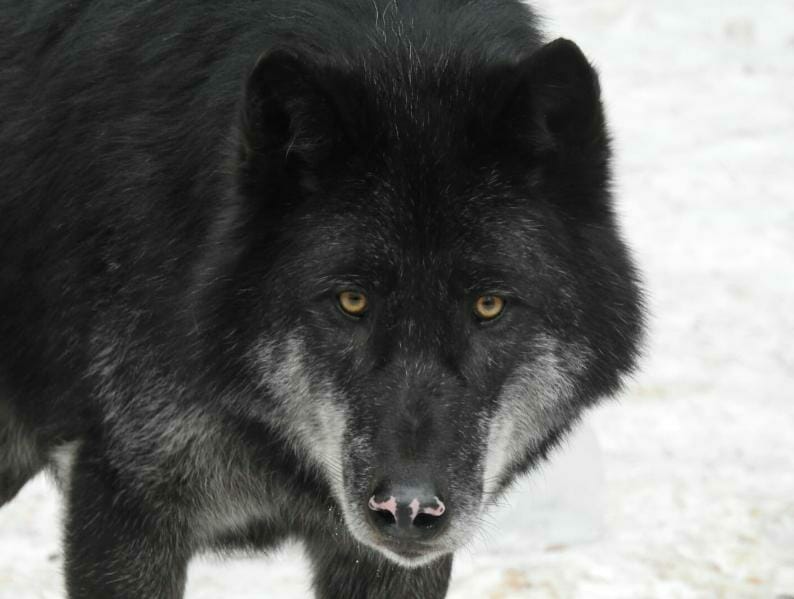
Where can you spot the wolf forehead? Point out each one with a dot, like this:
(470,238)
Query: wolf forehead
(476,244)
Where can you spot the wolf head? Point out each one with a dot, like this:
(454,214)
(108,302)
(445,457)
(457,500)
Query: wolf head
(433,285)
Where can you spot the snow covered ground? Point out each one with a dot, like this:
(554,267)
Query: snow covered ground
(684,488)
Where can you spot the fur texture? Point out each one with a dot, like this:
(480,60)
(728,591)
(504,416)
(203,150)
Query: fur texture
(187,189)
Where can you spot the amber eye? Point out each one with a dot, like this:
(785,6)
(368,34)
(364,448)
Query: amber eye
(353,302)
(488,307)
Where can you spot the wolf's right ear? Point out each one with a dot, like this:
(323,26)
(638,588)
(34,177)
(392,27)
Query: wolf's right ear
(550,102)
(289,111)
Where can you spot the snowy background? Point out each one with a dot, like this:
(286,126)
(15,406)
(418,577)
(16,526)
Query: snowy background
(684,487)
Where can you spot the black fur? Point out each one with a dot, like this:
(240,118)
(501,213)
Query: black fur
(186,188)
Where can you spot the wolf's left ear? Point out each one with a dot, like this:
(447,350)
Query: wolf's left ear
(551,101)
(290,110)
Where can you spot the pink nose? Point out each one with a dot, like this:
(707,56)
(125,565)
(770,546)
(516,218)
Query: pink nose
(436,508)
(407,512)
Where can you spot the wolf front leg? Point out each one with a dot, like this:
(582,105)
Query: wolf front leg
(355,573)
(118,546)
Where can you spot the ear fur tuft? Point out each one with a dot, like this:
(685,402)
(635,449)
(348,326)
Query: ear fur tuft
(551,100)
(287,112)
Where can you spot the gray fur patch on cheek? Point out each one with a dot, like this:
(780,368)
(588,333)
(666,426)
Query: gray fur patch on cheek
(307,406)
(534,401)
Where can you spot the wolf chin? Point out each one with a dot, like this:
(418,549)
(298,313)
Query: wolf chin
(337,271)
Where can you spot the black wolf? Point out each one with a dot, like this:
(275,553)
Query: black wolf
(335,270)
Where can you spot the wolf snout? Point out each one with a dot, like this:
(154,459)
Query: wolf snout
(407,512)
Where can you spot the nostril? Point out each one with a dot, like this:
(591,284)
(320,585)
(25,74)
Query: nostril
(427,515)
(384,512)
(384,518)
(426,521)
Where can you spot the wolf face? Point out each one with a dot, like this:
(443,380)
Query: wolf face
(436,289)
